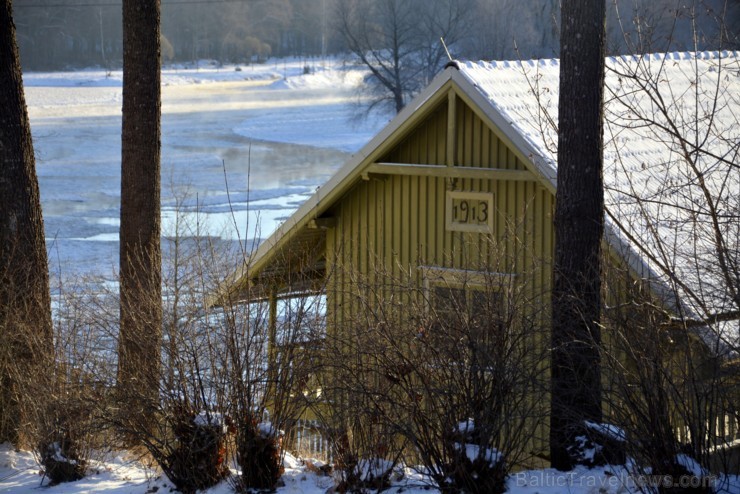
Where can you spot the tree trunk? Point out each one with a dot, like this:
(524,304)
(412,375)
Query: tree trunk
(579,226)
(25,306)
(140,255)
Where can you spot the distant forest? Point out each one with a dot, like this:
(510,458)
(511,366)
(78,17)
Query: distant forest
(64,34)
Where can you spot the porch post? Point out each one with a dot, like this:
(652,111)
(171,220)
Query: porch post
(272,346)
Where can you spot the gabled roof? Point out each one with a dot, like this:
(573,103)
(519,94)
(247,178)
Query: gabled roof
(648,99)
(671,162)
(277,254)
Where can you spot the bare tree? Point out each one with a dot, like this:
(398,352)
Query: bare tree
(678,205)
(140,256)
(25,304)
(381,35)
(579,227)
(686,227)
(399,42)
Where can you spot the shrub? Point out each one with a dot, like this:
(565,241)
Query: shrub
(61,459)
(359,461)
(598,445)
(199,459)
(472,468)
(259,454)
(464,346)
(65,432)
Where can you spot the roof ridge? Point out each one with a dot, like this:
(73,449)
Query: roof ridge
(657,56)
(680,55)
(503,64)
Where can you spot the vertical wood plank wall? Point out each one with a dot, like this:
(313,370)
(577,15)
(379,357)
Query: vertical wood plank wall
(390,225)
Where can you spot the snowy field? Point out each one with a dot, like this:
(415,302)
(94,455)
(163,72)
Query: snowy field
(242,148)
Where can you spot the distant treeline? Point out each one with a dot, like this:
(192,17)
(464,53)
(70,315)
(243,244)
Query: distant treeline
(59,34)
(55,34)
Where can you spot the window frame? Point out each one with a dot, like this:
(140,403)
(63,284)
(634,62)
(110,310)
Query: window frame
(470,281)
(467,335)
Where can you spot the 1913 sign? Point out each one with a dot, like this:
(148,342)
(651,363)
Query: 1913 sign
(469,211)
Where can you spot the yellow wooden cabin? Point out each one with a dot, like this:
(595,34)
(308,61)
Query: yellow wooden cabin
(459,189)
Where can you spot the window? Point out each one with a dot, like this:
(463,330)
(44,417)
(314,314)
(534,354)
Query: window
(466,307)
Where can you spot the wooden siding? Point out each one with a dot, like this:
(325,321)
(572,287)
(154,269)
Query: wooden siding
(475,144)
(426,144)
(478,145)
(389,226)
(396,222)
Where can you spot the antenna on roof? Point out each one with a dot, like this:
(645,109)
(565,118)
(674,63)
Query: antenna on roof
(444,45)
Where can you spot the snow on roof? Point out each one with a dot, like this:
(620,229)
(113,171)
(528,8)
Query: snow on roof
(671,168)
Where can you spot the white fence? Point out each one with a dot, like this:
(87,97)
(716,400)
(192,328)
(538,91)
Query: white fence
(305,439)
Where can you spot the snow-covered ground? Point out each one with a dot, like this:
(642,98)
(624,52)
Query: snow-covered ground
(119,474)
(242,147)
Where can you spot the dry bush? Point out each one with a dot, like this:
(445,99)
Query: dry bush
(268,360)
(198,460)
(364,448)
(259,454)
(236,363)
(410,363)
(246,393)
(668,395)
(196,378)
(472,468)
(65,432)
(481,368)
(71,394)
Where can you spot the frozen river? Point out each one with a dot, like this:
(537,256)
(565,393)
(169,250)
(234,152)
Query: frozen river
(243,154)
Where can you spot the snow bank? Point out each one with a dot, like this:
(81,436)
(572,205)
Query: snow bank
(608,430)
(288,74)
